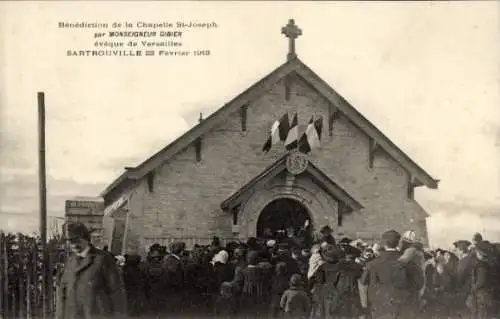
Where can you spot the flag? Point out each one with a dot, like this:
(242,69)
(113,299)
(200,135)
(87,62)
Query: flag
(311,138)
(292,138)
(303,143)
(284,127)
(278,133)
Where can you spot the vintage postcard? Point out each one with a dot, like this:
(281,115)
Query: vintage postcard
(212,158)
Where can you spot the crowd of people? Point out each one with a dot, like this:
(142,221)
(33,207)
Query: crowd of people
(289,277)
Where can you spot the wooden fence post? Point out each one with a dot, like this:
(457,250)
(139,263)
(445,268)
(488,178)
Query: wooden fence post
(50,279)
(21,275)
(3,276)
(21,259)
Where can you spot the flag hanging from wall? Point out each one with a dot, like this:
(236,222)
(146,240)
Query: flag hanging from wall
(292,138)
(311,138)
(278,133)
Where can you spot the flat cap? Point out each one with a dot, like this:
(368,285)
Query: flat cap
(326,229)
(78,230)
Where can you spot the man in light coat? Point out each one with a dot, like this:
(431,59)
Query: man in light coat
(90,286)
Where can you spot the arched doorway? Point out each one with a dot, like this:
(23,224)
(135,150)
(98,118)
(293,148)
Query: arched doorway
(281,214)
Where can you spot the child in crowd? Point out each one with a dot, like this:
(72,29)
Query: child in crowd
(295,302)
(280,284)
(226,303)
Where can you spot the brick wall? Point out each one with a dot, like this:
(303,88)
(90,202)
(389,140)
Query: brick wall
(186,197)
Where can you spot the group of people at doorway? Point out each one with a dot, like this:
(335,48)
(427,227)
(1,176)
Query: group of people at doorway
(393,278)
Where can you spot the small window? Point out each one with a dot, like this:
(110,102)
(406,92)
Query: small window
(244,110)
(411,190)
(340,214)
(151,181)
(235,214)
(198,149)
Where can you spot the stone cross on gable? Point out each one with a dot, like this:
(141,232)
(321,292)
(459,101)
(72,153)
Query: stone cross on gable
(292,32)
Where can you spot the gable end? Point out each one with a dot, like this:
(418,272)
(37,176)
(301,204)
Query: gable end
(291,68)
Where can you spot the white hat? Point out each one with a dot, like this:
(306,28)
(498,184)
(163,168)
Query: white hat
(410,236)
(270,243)
(120,260)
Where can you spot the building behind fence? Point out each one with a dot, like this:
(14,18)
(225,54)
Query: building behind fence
(21,269)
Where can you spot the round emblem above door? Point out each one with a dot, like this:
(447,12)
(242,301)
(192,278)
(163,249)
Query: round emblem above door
(296,163)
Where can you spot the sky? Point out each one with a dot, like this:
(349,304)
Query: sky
(426,74)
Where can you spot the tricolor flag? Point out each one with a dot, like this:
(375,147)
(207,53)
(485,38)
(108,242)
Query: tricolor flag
(292,138)
(311,138)
(278,133)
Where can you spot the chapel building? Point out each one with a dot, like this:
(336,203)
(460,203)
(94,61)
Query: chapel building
(215,180)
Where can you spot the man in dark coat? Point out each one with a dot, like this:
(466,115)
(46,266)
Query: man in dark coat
(326,235)
(485,282)
(476,239)
(384,300)
(174,278)
(90,286)
(467,260)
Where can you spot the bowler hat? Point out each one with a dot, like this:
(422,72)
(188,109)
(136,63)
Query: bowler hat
(77,231)
(326,229)
(463,245)
(345,241)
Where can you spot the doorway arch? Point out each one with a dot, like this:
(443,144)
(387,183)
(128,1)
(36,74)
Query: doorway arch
(280,214)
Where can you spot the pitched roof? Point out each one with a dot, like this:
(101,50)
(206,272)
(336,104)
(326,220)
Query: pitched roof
(255,91)
(279,166)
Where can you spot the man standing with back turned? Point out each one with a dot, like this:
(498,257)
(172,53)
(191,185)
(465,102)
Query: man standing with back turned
(90,286)
(384,299)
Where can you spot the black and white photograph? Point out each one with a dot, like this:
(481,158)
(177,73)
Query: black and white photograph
(250,159)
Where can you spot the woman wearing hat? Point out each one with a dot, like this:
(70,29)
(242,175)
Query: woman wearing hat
(408,238)
(323,283)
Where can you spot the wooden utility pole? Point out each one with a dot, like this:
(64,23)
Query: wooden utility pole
(43,199)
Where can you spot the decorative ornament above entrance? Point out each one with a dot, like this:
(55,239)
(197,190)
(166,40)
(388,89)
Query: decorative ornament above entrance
(296,162)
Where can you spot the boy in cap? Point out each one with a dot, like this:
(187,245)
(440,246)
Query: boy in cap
(226,305)
(89,272)
(280,283)
(295,302)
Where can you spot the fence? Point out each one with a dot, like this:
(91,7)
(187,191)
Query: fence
(21,271)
